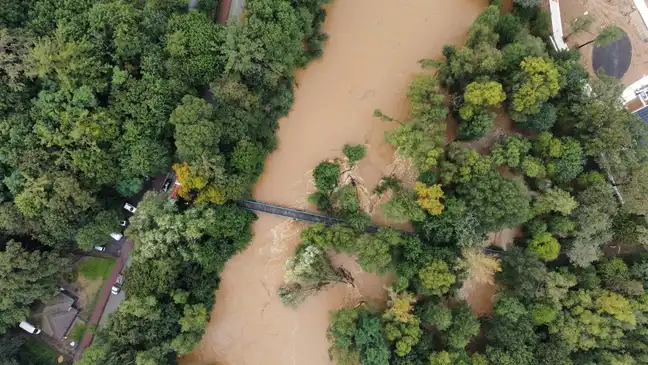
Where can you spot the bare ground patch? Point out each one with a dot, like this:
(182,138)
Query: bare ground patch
(479,296)
(504,238)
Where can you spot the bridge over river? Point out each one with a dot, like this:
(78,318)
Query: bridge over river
(309,217)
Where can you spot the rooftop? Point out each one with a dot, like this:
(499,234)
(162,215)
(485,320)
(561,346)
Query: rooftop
(57,315)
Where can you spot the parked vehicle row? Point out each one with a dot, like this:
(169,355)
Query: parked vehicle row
(119,282)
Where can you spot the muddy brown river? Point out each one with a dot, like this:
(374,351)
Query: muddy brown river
(368,62)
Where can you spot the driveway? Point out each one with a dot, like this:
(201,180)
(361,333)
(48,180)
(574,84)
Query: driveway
(113,247)
(107,302)
(113,302)
(102,301)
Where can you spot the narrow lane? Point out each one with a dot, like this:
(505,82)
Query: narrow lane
(103,298)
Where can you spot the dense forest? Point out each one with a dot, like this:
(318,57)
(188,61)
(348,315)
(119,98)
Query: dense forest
(571,288)
(96,98)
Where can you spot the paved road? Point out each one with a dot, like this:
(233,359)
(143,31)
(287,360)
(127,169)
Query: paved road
(113,301)
(103,298)
(113,247)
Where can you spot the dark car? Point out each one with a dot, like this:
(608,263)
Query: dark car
(167,185)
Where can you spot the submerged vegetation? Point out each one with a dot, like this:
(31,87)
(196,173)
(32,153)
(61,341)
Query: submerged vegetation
(559,299)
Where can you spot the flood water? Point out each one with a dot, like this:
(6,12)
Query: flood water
(368,62)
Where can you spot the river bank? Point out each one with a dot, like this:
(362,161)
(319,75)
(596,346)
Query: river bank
(368,62)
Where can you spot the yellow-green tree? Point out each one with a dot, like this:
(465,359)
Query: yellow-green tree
(544,246)
(436,277)
(401,326)
(429,197)
(537,81)
(480,95)
(400,307)
(480,266)
(191,181)
(616,306)
(555,200)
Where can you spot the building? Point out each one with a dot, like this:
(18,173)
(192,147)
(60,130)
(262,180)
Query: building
(56,316)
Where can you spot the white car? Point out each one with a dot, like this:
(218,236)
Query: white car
(99,248)
(118,285)
(130,208)
(116,236)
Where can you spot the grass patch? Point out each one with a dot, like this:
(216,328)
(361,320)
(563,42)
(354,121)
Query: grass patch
(93,268)
(77,332)
(33,352)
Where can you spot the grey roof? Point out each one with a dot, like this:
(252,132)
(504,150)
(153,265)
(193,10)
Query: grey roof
(57,316)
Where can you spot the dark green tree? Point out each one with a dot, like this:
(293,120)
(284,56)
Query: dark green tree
(26,277)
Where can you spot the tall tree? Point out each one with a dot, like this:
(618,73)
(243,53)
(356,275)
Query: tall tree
(308,272)
(26,277)
(606,36)
(537,81)
(497,202)
(527,3)
(579,24)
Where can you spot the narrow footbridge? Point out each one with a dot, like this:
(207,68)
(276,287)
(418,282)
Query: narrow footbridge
(299,215)
(309,217)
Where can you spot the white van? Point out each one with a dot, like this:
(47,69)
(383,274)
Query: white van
(29,327)
(116,236)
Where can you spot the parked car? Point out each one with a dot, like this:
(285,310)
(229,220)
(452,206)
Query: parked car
(130,208)
(123,223)
(29,327)
(99,248)
(118,285)
(167,184)
(116,236)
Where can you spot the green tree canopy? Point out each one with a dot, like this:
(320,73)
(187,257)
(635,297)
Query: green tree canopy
(544,246)
(538,80)
(26,277)
(497,202)
(436,277)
